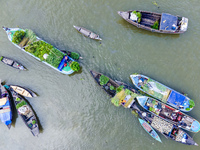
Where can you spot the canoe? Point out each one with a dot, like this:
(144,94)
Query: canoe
(25,111)
(23,91)
(49,55)
(87,33)
(5,107)
(156,22)
(149,130)
(166,128)
(162,92)
(121,95)
(169,113)
(12,63)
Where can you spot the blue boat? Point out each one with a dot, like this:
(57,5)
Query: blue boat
(162,92)
(6,107)
(149,130)
(169,113)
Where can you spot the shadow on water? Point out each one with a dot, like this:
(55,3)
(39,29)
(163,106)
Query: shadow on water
(127,25)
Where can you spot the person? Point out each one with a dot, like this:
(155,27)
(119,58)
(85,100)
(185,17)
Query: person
(66,60)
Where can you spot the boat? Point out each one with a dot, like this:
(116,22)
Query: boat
(169,130)
(23,91)
(169,113)
(156,22)
(25,111)
(5,107)
(12,63)
(162,92)
(87,33)
(149,130)
(28,42)
(119,91)
(106,83)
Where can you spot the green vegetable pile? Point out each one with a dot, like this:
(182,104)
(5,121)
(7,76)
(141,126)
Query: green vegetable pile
(18,36)
(20,104)
(103,80)
(74,55)
(75,66)
(139,15)
(155,25)
(119,88)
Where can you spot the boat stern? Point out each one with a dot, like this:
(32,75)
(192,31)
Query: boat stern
(134,79)
(142,100)
(195,127)
(184,24)
(6,29)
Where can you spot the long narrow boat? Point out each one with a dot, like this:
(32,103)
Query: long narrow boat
(12,63)
(162,92)
(169,113)
(23,91)
(26,112)
(28,42)
(5,107)
(87,33)
(156,22)
(166,128)
(149,130)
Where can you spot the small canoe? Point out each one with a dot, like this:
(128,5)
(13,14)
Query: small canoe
(169,113)
(162,92)
(149,130)
(156,22)
(12,63)
(166,128)
(25,111)
(87,33)
(23,91)
(5,107)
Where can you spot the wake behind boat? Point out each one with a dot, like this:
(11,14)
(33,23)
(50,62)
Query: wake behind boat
(169,114)
(87,33)
(28,42)
(162,92)
(156,22)
(12,63)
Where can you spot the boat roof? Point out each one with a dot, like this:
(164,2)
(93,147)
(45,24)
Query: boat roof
(167,21)
(177,98)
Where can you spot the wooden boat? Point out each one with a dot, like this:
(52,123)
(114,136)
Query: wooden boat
(52,57)
(166,128)
(169,113)
(5,107)
(23,91)
(121,95)
(149,130)
(162,92)
(12,63)
(26,112)
(156,22)
(87,33)
(107,85)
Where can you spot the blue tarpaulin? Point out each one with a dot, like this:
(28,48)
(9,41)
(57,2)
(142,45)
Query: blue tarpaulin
(167,21)
(176,98)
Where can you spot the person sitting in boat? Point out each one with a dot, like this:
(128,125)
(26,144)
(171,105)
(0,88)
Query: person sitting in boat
(66,60)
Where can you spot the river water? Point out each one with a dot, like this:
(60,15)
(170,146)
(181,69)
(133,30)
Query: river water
(73,111)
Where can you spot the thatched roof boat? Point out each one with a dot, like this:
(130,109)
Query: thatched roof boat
(156,22)
(87,33)
(169,113)
(162,92)
(12,63)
